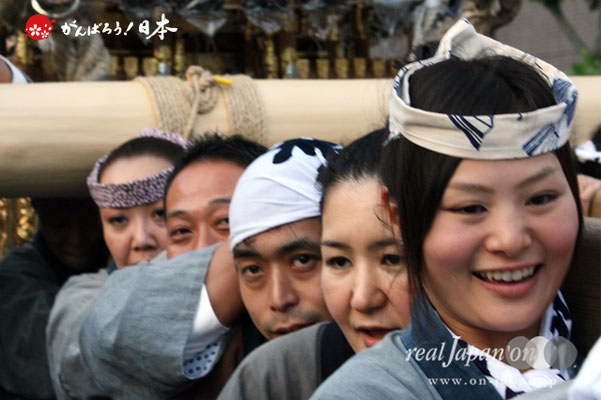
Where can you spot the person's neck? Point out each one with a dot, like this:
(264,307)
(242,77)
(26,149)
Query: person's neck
(492,342)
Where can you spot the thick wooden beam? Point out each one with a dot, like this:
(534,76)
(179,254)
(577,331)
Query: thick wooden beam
(51,133)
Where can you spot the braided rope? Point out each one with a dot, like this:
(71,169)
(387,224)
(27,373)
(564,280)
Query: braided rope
(177,103)
(247,109)
(171,106)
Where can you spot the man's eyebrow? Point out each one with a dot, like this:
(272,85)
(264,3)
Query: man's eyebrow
(543,173)
(176,213)
(302,243)
(220,200)
(242,253)
(214,202)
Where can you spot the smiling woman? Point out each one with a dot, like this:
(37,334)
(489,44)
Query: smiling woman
(516,243)
(480,180)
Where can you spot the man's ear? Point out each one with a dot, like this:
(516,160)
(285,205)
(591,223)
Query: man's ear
(392,210)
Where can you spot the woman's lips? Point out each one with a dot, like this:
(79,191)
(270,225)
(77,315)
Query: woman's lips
(509,274)
(373,335)
(518,284)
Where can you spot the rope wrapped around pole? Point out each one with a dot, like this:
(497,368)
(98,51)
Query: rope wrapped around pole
(176,104)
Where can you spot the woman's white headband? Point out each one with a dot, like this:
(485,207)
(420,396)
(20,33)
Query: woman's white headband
(484,137)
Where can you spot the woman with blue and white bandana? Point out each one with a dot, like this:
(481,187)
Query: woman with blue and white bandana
(480,180)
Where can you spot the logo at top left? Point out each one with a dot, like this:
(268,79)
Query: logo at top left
(38,27)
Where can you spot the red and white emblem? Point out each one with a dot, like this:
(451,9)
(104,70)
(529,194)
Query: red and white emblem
(38,27)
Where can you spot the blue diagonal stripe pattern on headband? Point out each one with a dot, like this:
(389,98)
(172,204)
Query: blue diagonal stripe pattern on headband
(546,138)
(561,92)
(472,132)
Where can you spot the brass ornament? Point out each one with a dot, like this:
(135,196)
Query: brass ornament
(304,68)
(17,223)
(359,67)
(342,68)
(323,68)
(131,67)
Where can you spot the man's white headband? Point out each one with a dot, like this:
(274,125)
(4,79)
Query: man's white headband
(484,137)
(278,188)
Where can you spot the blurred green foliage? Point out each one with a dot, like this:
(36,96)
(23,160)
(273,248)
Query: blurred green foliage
(591,58)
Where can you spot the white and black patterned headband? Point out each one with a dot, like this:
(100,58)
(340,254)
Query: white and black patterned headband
(484,137)
(278,188)
(134,193)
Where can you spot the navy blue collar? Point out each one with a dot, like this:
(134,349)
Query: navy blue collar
(112,268)
(442,359)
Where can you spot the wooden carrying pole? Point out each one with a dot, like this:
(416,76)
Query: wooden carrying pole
(52,133)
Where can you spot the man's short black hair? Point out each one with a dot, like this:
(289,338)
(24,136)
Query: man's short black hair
(215,147)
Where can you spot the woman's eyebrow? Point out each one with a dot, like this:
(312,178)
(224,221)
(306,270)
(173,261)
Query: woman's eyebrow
(383,243)
(334,244)
(543,173)
(471,187)
(477,187)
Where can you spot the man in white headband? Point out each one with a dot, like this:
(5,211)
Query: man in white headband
(274,237)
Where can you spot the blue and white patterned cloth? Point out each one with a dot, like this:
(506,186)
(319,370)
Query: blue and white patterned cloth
(484,137)
(510,381)
(203,362)
(588,152)
(206,340)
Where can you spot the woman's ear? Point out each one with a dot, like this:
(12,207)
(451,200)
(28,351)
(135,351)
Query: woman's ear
(392,210)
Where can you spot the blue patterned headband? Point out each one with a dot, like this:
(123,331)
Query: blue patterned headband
(484,137)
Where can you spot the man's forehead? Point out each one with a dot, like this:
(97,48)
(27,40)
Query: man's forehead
(203,170)
(190,209)
(205,183)
(284,238)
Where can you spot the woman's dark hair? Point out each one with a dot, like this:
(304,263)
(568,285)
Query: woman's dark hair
(144,146)
(417,177)
(360,159)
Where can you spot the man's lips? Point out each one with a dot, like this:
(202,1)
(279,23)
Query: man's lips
(282,330)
